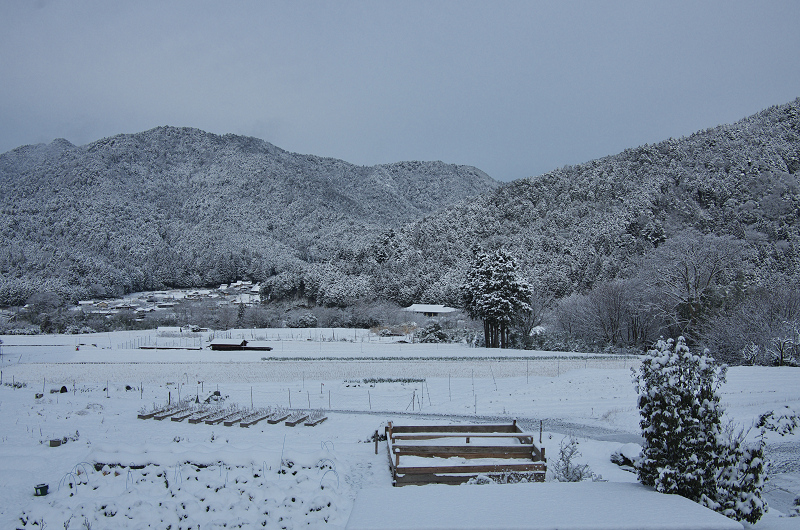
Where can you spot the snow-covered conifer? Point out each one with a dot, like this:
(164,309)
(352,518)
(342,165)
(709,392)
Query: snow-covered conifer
(687,451)
(495,293)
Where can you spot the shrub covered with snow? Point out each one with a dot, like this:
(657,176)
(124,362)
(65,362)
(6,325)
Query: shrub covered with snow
(566,469)
(687,451)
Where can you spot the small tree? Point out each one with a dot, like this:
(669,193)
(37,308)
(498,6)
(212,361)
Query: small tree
(495,293)
(686,449)
(565,469)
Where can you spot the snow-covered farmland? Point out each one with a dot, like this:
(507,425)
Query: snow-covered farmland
(117,471)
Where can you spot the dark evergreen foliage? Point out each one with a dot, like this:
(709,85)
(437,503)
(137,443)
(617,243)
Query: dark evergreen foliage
(687,451)
(495,293)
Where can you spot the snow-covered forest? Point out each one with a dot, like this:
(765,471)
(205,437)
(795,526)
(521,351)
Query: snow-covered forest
(695,236)
(176,207)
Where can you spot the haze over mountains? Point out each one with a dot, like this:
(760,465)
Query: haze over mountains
(181,207)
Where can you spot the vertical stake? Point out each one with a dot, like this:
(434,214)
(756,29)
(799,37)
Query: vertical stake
(370,406)
(329,400)
(540,431)
(251,397)
(308,395)
(290,397)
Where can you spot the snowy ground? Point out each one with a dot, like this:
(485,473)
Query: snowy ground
(162,473)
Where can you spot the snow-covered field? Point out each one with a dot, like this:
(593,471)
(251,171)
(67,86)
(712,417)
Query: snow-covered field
(117,471)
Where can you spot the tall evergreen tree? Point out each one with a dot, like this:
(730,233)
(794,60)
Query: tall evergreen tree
(495,293)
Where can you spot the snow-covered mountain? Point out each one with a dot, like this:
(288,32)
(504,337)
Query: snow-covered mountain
(182,207)
(583,224)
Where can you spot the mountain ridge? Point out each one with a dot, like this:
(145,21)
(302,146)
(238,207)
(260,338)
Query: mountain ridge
(185,193)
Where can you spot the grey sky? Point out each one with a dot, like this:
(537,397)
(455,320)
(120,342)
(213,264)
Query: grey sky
(514,88)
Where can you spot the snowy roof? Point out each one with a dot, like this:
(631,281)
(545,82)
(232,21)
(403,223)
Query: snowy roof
(228,342)
(543,506)
(429,308)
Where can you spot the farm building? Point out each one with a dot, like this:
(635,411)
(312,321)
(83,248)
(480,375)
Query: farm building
(228,344)
(430,310)
(238,345)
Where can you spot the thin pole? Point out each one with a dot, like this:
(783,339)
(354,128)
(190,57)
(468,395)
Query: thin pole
(290,397)
(370,401)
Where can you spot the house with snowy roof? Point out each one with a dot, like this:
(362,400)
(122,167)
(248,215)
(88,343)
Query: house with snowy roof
(430,310)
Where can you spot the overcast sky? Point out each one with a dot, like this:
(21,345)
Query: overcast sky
(514,88)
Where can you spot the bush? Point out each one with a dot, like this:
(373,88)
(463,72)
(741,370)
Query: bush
(432,333)
(686,450)
(306,320)
(565,469)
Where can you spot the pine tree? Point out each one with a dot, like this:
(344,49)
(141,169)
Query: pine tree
(495,293)
(687,451)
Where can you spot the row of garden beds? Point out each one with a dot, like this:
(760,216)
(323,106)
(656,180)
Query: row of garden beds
(232,415)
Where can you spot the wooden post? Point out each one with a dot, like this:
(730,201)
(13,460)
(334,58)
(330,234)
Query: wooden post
(290,397)
(540,432)
(370,406)
(376,441)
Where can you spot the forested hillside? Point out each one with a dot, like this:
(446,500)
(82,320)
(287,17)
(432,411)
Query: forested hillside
(578,225)
(181,207)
